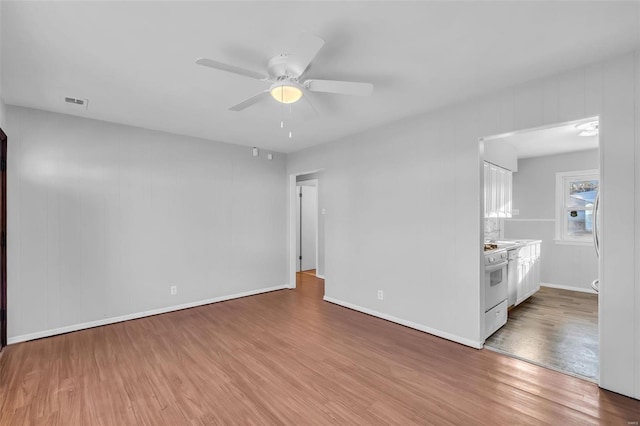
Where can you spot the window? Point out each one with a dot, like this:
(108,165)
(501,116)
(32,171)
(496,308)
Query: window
(575,195)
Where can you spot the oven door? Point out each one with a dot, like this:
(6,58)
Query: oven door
(496,289)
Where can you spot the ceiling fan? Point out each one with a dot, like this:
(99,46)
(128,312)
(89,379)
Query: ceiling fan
(285,72)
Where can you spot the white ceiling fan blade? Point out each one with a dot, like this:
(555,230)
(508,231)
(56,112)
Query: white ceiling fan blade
(305,50)
(230,68)
(312,112)
(252,100)
(339,87)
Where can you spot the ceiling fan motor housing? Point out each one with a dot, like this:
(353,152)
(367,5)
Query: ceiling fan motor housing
(283,67)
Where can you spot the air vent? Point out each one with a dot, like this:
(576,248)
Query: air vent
(82,103)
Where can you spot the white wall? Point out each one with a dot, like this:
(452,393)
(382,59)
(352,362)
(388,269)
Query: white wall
(104,218)
(637,230)
(387,227)
(534,194)
(3,112)
(404,201)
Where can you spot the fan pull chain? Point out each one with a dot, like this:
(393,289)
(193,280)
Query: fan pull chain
(281,110)
(290,114)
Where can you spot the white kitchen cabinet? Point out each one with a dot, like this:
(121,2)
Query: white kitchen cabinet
(528,271)
(497,191)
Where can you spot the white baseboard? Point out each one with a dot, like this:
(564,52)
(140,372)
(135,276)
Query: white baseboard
(320,276)
(97,323)
(410,324)
(567,287)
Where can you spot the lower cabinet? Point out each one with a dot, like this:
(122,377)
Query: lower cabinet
(528,271)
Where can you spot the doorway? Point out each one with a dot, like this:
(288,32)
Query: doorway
(548,232)
(306,233)
(307,226)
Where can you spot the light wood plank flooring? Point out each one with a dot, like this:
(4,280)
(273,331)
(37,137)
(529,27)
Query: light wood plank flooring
(554,328)
(284,357)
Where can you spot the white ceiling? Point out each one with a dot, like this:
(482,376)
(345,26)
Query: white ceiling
(550,141)
(134,61)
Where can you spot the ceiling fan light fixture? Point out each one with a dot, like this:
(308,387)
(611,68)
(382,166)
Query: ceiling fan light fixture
(286,92)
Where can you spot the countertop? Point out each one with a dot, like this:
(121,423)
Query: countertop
(511,244)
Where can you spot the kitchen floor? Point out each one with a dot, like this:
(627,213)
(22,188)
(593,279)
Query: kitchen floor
(554,328)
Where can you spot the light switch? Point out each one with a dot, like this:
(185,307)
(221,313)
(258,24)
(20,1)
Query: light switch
(324,211)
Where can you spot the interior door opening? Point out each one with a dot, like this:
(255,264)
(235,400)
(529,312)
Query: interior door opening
(306,233)
(540,209)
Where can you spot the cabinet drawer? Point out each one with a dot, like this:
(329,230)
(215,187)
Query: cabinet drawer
(495,318)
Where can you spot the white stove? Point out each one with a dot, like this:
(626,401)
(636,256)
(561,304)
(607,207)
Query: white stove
(495,256)
(495,288)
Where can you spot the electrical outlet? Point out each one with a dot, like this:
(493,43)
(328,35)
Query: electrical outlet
(174,290)
(515,212)
(380,295)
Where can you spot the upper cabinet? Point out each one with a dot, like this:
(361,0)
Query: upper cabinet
(497,191)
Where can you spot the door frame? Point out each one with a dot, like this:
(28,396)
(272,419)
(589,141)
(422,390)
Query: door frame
(3,239)
(292,226)
(600,259)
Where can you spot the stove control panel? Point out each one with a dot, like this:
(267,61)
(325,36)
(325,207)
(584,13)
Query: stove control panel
(495,257)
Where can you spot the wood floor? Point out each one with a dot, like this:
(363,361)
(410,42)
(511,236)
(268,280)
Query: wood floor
(554,328)
(311,272)
(284,357)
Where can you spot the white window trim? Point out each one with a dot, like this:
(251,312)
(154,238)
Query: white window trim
(574,242)
(561,222)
